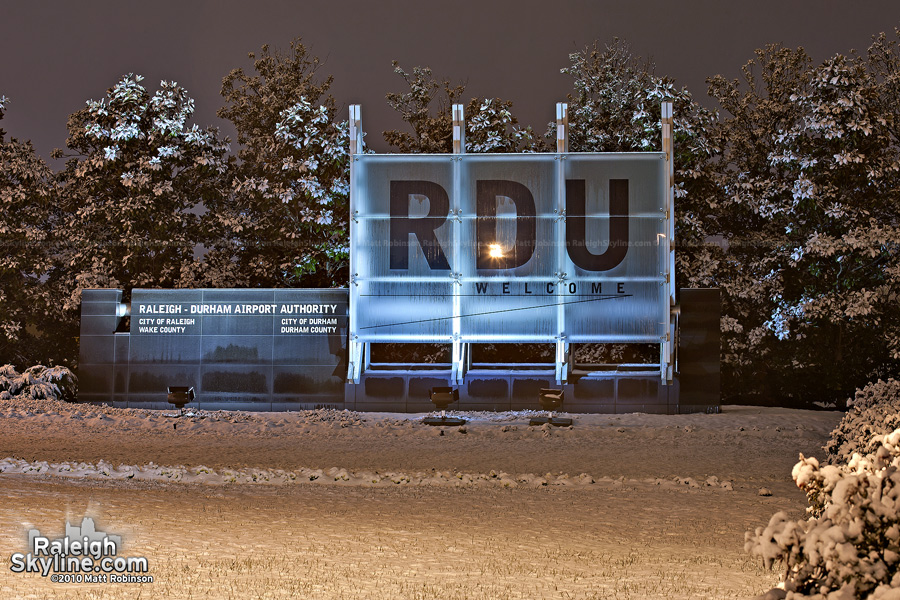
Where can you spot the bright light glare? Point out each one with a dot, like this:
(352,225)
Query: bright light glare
(495,251)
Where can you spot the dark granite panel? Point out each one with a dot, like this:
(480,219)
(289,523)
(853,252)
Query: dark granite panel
(155,379)
(375,405)
(524,403)
(101,295)
(235,379)
(673,393)
(97,349)
(180,296)
(639,390)
(95,309)
(699,347)
(651,409)
(528,388)
(122,343)
(302,403)
(306,325)
(148,402)
(95,379)
(582,404)
(237,325)
(485,387)
(425,406)
(420,387)
(165,349)
(98,325)
(236,349)
(238,296)
(121,379)
(384,387)
(310,350)
(590,408)
(251,405)
(330,294)
(89,398)
(236,352)
(263,399)
(594,389)
(307,381)
(687,409)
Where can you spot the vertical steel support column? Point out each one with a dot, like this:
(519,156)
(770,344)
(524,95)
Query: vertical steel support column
(667,354)
(458,353)
(459,130)
(562,127)
(357,350)
(356,133)
(562,149)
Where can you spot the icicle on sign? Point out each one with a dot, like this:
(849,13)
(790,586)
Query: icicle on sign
(524,247)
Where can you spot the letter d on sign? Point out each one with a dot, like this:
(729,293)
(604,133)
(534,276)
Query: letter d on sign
(487,192)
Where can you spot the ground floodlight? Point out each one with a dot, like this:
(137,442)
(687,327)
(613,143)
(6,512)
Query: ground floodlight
(442,397)
(180,395)
(551,400)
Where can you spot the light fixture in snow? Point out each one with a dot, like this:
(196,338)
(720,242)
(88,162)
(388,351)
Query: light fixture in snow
(495,251)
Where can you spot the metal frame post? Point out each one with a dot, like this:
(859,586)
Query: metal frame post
(460,350)
(459,130)
(562,148)
(562,127)
(358,352)
(668,147)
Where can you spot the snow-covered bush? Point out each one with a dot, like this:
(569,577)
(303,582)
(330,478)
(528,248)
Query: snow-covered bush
(8,374)
(874,411)
(38,382)
(849,546)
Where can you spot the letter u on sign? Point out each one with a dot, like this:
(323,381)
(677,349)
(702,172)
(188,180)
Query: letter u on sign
(576,226)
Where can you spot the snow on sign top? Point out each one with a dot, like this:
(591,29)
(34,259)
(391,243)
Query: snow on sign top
(509,247)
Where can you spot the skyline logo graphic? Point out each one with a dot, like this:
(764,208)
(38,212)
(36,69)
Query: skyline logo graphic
(81,555)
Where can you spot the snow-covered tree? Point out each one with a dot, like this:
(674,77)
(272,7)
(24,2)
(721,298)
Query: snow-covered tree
(493,128)
(286,222)
(810,173)
(134,192)
(759,107)
(426,107)
(26,202)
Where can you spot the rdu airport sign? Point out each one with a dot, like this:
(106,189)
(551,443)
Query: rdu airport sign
(509,248)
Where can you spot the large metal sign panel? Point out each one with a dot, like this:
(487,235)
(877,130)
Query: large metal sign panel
(509,248)
(235,347)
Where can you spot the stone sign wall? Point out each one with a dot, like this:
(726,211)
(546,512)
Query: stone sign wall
(264,349)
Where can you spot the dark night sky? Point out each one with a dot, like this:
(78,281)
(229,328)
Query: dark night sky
(58,54)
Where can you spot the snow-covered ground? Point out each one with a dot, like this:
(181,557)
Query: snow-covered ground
(327,504)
